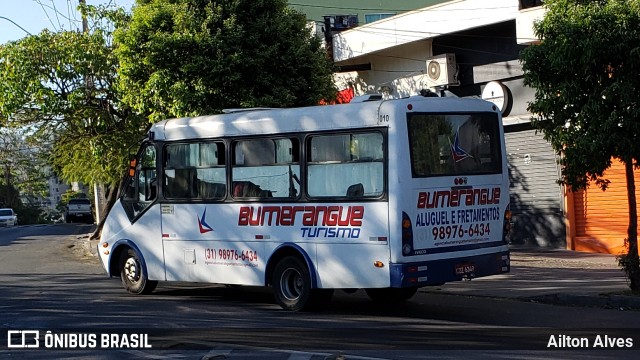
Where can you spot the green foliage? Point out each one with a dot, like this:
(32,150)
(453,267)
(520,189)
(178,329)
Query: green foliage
(23,163)
(10,197)
(61,85)
(585,73)
(185,58)
(630,264)
(27,214)
(30,214)
(68,195)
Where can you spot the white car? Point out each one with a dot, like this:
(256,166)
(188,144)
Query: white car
(8,217)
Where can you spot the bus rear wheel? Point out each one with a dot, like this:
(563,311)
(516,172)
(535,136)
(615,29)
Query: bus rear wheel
(391,295)
(292,286)
(134,275)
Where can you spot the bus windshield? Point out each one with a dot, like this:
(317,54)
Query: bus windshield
(454,144)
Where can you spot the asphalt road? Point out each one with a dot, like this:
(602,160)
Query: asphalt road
(49,282)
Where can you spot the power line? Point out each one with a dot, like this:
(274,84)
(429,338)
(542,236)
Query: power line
(345,8)
(427,8)
(16,24)
(442,12)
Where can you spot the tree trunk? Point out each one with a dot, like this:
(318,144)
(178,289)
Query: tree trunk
(111,197)
(630,262)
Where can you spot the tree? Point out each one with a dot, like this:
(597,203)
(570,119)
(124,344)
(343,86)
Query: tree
(23,163)
(61,85)
(587,95)
(194,57)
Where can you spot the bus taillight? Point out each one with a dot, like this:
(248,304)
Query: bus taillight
(407,235)
(507,225)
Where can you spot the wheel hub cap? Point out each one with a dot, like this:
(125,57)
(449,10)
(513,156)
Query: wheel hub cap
(131,269)
(292,284)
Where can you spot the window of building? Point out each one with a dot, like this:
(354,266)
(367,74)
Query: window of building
(369,18)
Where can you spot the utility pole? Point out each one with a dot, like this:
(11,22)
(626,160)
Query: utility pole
(85,24)
(97,193)
(7,176)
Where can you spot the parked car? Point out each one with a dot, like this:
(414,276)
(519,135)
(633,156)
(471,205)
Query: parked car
(8,217)
(79,210)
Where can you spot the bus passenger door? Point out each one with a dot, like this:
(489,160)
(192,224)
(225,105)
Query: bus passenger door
(140,204)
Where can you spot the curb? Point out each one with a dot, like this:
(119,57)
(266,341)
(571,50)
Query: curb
(620,302)
(605,301)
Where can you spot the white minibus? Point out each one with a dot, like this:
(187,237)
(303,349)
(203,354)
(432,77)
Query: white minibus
(387,196)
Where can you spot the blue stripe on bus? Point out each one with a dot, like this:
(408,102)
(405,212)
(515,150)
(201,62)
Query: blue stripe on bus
(436,272)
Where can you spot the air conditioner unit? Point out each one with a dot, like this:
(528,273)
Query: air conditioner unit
(442,70)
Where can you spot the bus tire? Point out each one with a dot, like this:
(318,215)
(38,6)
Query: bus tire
(391,295)
(292,284)
(134,275)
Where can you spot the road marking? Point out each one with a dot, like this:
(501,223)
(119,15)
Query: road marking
(217,354)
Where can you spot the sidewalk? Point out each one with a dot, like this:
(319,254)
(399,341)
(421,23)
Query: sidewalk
(555,276)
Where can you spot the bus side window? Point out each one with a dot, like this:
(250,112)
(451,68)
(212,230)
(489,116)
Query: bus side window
(355,191)
(266,168)
(195,170)
(179,183)
(347,165)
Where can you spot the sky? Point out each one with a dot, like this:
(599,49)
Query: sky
(17,17)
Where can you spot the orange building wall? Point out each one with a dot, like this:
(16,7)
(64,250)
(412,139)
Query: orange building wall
(600,218)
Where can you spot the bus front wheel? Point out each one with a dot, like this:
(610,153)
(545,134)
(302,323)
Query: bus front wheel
(134,275)
(391,295)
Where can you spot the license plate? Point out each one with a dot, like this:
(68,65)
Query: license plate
(466,268)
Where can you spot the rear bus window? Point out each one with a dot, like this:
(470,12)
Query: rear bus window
(454,144)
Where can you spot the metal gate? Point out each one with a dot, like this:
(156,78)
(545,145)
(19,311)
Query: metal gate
(536,197)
